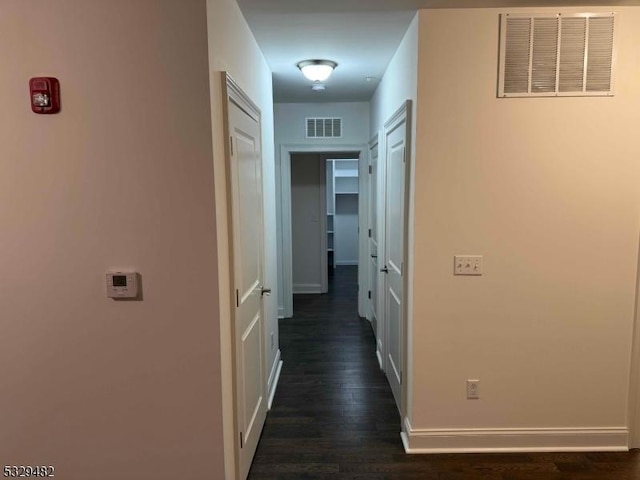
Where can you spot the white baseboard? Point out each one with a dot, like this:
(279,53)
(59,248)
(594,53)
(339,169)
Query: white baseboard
(379,353)
(307,288)
(379,357)
(274,377)
(488,440)
(346,262)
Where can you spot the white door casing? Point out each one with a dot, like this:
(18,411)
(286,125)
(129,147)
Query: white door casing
(634,380)
(247,230)
(286,286)
(396,149)
(373,249)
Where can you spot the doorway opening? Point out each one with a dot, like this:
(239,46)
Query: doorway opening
(342,192)
(324,219)
(323,197)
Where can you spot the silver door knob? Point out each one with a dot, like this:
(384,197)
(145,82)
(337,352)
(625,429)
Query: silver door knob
(384,270)
(265,291)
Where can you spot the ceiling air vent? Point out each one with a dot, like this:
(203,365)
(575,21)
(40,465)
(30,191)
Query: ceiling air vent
(556,55)
(324,127)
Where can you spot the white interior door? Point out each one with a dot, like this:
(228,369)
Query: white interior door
(372,248)
(245,174)
(395,133)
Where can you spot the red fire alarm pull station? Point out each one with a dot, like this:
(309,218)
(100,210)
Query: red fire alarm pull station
(45,94)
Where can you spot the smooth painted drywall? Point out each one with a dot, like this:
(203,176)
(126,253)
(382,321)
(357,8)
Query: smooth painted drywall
(399,83)
(290,122)
(547,190)
(307,208)
(233,49)
(121,178)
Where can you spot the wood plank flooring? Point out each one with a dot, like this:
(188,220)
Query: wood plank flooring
(334,417)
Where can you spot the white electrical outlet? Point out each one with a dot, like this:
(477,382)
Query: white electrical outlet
(467,265)
(473,389)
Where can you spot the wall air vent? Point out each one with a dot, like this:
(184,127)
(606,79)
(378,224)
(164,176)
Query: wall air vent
(556,55)
(324,127)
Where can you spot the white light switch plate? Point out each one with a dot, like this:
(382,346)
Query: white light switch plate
(473,389)
(467,265)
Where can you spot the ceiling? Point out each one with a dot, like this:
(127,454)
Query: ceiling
(360,35)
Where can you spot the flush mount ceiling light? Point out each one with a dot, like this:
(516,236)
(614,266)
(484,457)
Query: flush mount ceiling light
(317,87)
(317,70)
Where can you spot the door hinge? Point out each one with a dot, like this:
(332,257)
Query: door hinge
(370,169)
(241,440)
(237,298)
(369,293)
(369,233)
(231,144)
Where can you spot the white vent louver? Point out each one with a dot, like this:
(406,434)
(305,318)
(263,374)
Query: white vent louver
(324,127)
(556,55)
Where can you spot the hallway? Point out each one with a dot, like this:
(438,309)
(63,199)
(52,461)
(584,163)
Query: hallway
(334,417)
(333,411)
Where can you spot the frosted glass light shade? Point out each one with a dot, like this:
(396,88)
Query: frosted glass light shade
(317,70)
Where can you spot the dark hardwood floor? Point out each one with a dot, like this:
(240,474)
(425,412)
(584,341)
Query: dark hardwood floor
(333,416)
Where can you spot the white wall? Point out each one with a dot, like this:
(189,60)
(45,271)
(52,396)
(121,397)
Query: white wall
(232,48)
(307,209)
(121,178)
(547,190)
(290,122)
(399,83)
